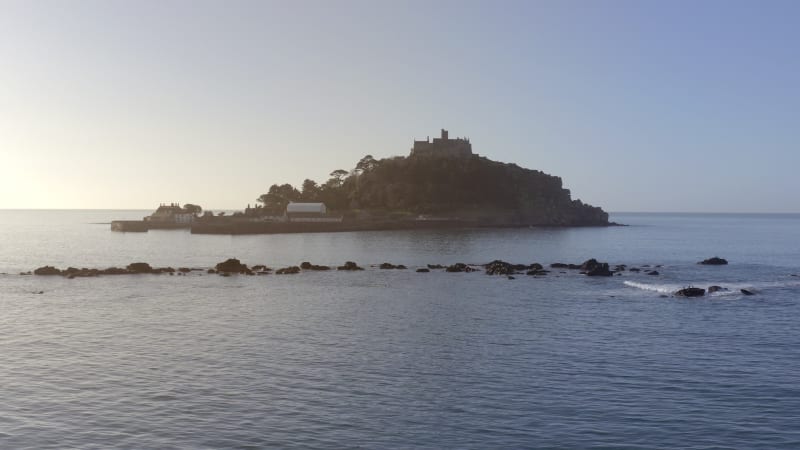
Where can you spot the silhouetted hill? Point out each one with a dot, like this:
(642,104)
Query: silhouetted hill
(471,186)
(466,187)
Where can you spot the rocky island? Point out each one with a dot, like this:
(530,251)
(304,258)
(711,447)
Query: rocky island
(440,184)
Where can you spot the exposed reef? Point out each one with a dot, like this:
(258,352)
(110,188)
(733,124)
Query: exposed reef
(232,267)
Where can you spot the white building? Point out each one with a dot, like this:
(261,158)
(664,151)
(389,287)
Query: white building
(309,212)
(306,208)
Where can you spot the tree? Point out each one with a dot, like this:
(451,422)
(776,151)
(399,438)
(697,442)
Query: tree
(337,177)
(278,197)
(310,192)
(366,164)
(193,209)
(286,191)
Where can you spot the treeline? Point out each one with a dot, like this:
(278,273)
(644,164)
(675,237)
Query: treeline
(471,186)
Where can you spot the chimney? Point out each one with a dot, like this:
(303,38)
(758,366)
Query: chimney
(444,134)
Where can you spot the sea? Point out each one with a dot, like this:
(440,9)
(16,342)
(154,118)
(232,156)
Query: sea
(399,359)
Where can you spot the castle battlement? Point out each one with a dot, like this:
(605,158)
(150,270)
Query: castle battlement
(443,146)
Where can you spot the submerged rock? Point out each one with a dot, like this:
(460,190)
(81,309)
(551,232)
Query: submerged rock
(435,266)
(653,272)
(715,261)
(305,265)
(746,292)
(387,265)
(537,272)
(460,267)
(423,270)
(291,270)
(712,289)
(691,292)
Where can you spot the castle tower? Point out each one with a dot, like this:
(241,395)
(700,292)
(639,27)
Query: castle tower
(444,146)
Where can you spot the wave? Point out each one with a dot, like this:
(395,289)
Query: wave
(730,288)
(660,288)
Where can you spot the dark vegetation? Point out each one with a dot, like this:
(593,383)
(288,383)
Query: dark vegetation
(466,188)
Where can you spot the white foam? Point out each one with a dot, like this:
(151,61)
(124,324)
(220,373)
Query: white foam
(661,288)
(728,288)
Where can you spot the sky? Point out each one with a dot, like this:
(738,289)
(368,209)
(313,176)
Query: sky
(637,105)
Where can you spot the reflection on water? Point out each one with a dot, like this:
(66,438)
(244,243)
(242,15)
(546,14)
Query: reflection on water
(393,358)
(62,238)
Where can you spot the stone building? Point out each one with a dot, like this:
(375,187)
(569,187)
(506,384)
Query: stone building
(443,146)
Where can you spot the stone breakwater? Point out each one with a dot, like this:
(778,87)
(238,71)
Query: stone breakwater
(230,267)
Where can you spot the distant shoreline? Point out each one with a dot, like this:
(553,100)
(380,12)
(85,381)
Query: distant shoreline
(234,227)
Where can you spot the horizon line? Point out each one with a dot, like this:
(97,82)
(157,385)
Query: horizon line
(241,209)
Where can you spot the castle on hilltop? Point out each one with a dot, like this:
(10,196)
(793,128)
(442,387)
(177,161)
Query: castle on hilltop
(443,146)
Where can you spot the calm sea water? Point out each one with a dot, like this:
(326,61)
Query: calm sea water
(379,359)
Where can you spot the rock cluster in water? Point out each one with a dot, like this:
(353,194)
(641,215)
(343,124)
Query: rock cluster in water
(131,269)
(232,266)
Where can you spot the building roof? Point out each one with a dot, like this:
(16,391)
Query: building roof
(306,208)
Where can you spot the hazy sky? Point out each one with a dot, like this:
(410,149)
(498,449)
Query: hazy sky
(638,106)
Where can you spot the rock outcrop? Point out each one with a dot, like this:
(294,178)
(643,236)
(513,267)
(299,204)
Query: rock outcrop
(350,265)
(232,265)
(594,268)
(691,292)
(47,270)
(139,267)
(498,267)
(715,261)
